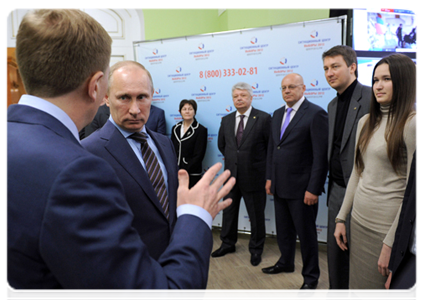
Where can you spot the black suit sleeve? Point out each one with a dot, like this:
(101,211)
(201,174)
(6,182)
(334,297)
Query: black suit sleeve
(99,120)
(174,140)
(200,148)
(406,222)
(221,143)
(269,157)
(161,125)
(319,139)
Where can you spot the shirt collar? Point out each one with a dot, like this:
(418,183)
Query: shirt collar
(124,132)
(247,113)
(297,105)
(51,109)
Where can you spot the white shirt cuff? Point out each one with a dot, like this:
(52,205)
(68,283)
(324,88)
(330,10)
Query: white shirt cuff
(195,210)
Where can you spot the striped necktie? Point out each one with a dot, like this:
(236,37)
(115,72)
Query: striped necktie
(240,130)
(153,170)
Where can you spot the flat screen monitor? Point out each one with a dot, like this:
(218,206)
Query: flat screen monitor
(384,29)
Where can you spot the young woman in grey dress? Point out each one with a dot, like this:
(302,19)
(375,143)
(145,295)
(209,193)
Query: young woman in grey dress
(386,141)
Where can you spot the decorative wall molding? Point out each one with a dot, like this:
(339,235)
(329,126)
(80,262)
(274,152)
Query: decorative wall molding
(123,25)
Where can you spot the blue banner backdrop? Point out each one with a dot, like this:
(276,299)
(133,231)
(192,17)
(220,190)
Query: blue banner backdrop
(205,67)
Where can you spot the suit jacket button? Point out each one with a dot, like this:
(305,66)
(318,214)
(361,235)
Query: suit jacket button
(279,147)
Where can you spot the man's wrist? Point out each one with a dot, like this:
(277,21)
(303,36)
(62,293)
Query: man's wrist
(195,210)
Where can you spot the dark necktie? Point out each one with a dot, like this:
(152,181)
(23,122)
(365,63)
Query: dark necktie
(153,170)
(287,119)
(240,130)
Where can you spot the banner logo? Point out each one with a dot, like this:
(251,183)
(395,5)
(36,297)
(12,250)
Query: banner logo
(258,94)
(283,68)
(201,46)
(203,88)
(253,40)
(158,96)
(155,51)
(314,34)
(314,83)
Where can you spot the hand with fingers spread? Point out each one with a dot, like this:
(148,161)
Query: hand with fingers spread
(206,193)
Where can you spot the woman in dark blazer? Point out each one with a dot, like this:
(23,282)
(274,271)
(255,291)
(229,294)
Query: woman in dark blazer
(190,141)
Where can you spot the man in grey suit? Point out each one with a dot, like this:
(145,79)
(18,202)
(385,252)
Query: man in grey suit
(243,138)
(350,104)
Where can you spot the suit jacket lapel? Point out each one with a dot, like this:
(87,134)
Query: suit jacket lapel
(119,148)
(298,115)
(230,130)
(190,131)
(250,124)
(333,105)
(277,124)
(353,110)
(172,182)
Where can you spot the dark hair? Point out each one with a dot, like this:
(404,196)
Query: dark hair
(190,102)
(348,53)
(57,50)
(401,108)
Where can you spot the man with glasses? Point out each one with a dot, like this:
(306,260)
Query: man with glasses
(296,174)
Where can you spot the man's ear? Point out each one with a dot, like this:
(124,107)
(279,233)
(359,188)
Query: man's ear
(106,100)
(94,86)
(353,67)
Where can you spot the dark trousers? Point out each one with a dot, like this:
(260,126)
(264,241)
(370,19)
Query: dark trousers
(338,260)
(294,218)
(255,203)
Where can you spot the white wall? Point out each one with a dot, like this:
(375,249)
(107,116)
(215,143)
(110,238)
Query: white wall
(123,25)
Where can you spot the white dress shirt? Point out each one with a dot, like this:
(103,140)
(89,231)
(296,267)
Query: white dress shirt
(246,116)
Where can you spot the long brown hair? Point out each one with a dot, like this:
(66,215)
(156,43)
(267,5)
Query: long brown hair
(403,76)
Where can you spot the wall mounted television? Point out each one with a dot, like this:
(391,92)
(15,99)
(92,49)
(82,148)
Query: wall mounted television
(384,29)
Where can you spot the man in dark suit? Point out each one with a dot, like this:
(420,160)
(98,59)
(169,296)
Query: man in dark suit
(69,225)
(296,175)
(129,98)
(243,138)
(402,263)
(156,121)
(344,111)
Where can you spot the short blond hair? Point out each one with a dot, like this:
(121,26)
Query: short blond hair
(57,50)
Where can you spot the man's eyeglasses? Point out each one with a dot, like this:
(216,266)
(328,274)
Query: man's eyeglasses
(291,87)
